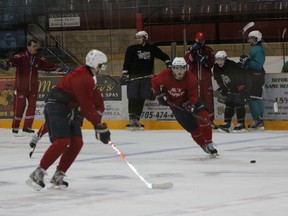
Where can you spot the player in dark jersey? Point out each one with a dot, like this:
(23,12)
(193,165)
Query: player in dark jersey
(139,62)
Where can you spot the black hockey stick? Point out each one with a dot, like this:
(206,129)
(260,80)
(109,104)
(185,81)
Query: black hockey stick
(283,44)
(246,27)
(199,117)
(136,78)
(31,152)
(166,185)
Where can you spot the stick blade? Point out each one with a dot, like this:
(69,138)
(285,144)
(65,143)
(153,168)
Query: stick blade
(249,25)
(283,33)
(163,186)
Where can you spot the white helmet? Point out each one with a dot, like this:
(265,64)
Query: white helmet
(96,59)
(221,55)
(142,34)
(256,35)
(179,67)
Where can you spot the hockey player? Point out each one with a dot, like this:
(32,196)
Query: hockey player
(178,86)
(73,90)
(27,64)
(98,103)
(254,62)
(235,84)
(139,62)
(201,59)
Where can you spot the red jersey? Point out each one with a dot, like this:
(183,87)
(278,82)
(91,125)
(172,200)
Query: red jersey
(27,67)
(80,86)
(177,91)
(206,68)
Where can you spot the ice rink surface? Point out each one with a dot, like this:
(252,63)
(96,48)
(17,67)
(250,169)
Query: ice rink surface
(101,183)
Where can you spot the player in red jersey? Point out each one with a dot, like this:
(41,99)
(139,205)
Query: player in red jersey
(201,59)
(72,91)
(177,88)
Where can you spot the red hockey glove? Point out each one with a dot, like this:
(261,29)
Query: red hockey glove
(188,106)
(102,133)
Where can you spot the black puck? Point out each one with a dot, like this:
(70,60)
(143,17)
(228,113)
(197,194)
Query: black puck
(253,161)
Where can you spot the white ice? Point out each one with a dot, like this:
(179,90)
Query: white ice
(101,183)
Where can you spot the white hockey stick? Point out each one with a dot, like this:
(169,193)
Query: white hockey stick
(246,27)
(166,185)
(283,44)
(275,104)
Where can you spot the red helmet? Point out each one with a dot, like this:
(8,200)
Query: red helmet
(200,36)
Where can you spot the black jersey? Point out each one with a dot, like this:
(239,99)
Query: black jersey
(139,60)
(230,75)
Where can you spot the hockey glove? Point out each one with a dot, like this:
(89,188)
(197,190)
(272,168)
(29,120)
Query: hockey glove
(102,133)
(4,65)
(244,60)
(168,64)
(201,59)
(124,78)
(188,106)
(195,48)
(162,98)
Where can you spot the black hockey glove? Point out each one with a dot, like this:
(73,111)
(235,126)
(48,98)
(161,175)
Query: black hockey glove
(168,64)
(244,60)
(4,65)
(201,59)
(188,106)
(195,48)
(102,133)
(124,78)
(162,98)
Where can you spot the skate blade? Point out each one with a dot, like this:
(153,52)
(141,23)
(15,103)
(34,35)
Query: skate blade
(57,187)
(214,155)
(33,185)
(240,131)
(135,128)
(19,134)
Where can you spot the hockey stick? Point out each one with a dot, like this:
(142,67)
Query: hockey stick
(275,104)
(246,27)
(31,152)
(136,78)
(198,117)
(283,44)
(166,185)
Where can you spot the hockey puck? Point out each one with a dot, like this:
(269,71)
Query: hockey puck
(253,161)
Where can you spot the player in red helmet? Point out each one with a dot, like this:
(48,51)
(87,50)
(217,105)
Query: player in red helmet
(201,59)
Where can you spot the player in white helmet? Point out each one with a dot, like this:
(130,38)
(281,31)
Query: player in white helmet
(139,64)
(254,62)
(74,90)
(177,88)
(234,89)
(179,67)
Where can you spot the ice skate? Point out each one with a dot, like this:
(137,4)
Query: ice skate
(57,181)
(240,127)
(34,141)
(134,125)
(16,132)
(258,124)
(210,149)
(28,130)
(36,180)
(226,125)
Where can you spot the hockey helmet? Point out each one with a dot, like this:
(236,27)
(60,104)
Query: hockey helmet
(221,55)
(96,59)
(200,36)
(142,34)
(179,67)
(220,58)
(255,36)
